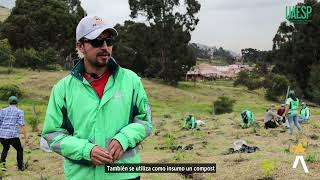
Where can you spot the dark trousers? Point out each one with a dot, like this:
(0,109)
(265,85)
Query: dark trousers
(15,142)
(270,124)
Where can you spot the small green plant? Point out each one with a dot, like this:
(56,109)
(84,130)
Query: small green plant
(287,150)
(8,90)
(312,158)
(2,166)
(169,140)
(223,105)
(254,130)
(179,155)
(268,166)
(253,84)
(34,121)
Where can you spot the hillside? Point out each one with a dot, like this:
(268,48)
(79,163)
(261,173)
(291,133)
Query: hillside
(4,13)
(169,106)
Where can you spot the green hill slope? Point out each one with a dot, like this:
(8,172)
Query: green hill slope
(169,106)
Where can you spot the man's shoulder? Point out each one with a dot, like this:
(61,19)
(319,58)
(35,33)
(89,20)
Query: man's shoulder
(64,80)
(61,85)
(129,74)
(9,108)
(20,111)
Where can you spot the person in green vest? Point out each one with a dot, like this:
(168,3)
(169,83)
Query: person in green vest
(292,105)
(99,113)
(304,113)
(190,122)
(247,119)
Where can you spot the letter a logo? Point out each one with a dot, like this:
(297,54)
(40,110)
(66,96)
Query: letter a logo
(295,164)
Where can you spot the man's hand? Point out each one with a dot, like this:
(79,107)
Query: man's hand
(100,156)
(115,150)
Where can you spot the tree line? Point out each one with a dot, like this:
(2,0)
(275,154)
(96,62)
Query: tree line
(294,58)
(40,33)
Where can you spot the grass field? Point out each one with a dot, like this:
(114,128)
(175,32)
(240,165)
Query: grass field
(169,106)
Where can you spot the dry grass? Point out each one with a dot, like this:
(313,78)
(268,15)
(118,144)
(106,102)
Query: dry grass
(169,106)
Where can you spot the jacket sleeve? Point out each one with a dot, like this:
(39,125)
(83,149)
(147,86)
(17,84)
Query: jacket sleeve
(140,126)
(58,130)
(193,123)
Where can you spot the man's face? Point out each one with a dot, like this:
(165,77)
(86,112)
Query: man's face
(96,56)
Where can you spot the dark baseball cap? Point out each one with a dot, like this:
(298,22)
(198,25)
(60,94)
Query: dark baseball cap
(13,99)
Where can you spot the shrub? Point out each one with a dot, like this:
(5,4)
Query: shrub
(242,78)
(28,58)
(312,158)
(8,90)
(250,80)
(253,84)
(268,166)
(34,121)
(277,87)
(6,57)
(313,89)
(223,105)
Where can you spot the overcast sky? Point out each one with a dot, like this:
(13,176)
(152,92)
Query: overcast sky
(232,24)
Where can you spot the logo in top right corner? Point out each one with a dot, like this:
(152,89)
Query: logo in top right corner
(299,14)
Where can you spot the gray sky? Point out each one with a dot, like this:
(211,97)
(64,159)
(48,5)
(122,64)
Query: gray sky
(232,24)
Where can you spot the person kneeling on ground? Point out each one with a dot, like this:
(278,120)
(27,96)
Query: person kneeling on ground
(190,122)
(304,113)
(247,119)
(280,112)
(271,117)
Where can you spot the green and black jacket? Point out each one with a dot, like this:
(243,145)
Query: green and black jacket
(76,120)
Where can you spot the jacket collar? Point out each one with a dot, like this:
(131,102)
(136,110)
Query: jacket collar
(78,69)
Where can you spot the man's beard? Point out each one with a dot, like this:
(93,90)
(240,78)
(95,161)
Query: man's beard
(96,63)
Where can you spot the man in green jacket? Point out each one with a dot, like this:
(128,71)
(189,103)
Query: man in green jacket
(99,113)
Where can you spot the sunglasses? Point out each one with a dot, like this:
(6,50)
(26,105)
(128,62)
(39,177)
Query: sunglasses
(98,42)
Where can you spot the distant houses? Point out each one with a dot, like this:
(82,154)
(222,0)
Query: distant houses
(208,72)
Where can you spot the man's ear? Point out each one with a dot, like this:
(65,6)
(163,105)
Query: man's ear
(80,49)
(80,46)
